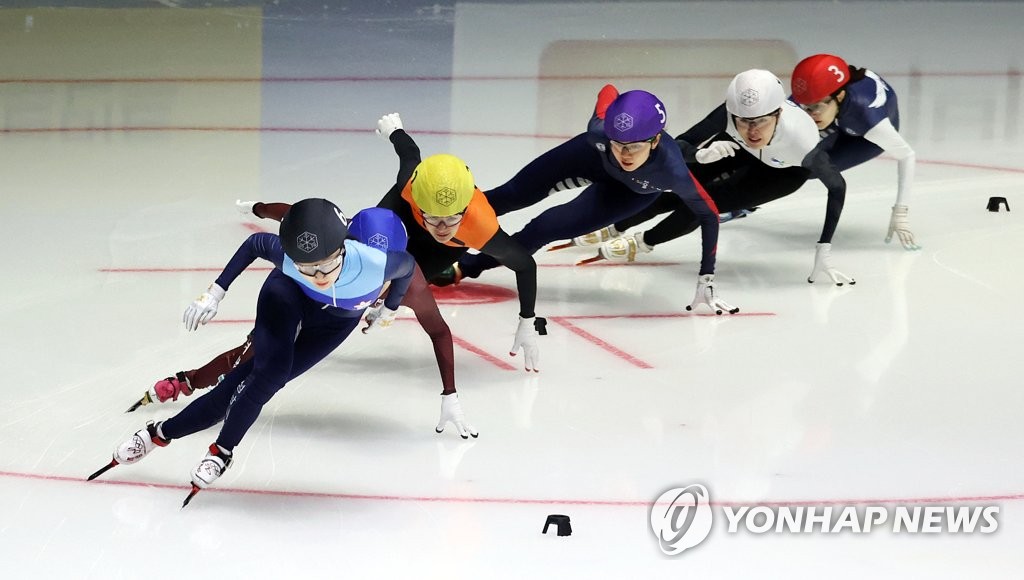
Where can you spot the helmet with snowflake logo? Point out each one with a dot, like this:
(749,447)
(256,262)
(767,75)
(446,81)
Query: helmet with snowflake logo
(312,230)
(442,185)
(634,116)
(754,93)
(379,228)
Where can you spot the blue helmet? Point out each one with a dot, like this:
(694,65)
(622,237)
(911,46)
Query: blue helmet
(634,116)
(379,228)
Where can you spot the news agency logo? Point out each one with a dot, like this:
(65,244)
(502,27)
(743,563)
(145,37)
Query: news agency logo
(682,517)
(826,519)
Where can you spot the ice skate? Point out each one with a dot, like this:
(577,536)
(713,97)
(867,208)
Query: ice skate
(735,215)
(210,469)
(165,390)
(623,250)
(135,448)
(591,239)
(595,238)
(147,398)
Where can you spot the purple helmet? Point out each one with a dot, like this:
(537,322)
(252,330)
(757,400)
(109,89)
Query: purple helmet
(379,228)
(634,116)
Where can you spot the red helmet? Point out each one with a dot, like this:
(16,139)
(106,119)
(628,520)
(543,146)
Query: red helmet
(817,77)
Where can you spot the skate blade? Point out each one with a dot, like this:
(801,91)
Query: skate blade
(596,258)
(191,494)
(145,400)
(102,470)
(562,246)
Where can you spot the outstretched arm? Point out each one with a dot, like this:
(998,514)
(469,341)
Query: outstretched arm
(390,127)
(204,308)
(511,254)
(697,200)
(692,193)
(821,167)
(515,257)
(420,299)
(408,154)
(888,138)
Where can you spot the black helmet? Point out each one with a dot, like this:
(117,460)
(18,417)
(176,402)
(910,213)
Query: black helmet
(312,230)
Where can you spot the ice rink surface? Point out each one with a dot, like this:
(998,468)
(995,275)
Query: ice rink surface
(127,134)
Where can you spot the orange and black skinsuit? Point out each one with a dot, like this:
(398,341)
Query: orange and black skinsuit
(478,230)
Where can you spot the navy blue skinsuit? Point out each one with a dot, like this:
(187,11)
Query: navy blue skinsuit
(868,102)
(615,194)
(296,326)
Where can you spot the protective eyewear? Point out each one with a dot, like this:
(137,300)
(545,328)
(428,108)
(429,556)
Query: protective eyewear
(756,122)
(324,268)
(632,148)
(819,106)
(447,221)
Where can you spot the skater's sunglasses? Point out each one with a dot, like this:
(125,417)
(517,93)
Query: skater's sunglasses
(819,106)
(324,268)
(447,221)
(633,147)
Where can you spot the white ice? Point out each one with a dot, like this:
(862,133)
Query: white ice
(117,201)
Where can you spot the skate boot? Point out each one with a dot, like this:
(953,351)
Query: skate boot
(135,448)
(171,387)
(140,444)
(598,237)
(625,249)
(212,466)
(735,215)
(210,469)
(165,390)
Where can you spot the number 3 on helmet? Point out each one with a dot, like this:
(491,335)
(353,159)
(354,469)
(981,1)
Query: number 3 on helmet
(817,77)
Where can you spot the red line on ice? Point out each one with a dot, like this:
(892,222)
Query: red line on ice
(563,321)
(952,499)
(484,355)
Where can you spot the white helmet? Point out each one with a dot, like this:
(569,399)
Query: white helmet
(754,93)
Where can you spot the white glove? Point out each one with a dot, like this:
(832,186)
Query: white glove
(899,225)
(717,150)
(245,207)
(451,411)
(706,295)
(387,125)
(823,263)
(526,337)
(204,308)
(380,317)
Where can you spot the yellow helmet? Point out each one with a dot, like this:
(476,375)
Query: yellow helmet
(442,185)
